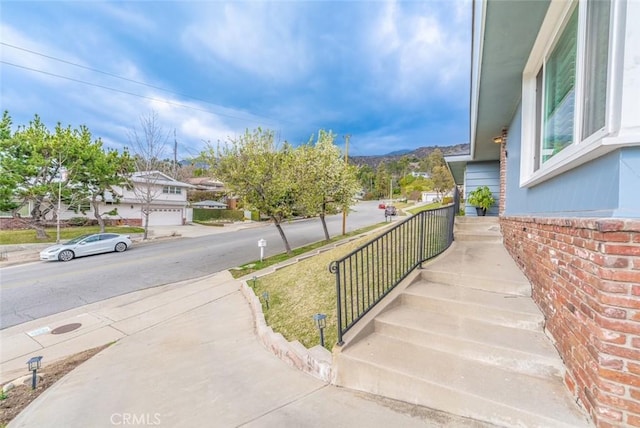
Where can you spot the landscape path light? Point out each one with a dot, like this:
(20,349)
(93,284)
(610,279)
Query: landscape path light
(265,296)
(34,365)
(321,323)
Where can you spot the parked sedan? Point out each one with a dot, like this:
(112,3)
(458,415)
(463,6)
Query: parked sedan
(86,245)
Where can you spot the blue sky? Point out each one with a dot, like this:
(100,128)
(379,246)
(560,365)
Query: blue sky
(392,74)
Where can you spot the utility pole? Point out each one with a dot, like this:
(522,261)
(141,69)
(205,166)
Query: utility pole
(175,154)
(346,163)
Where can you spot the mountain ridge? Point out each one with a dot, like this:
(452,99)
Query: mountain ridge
(420,153)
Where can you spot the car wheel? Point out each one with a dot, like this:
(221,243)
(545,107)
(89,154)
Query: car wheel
(120,247)
(65,255)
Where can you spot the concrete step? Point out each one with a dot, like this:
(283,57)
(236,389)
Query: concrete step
(480,265)
(452,383)
(524,351)
(479,236)
(489,307)
(483,229)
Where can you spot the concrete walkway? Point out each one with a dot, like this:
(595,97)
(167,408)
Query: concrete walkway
(185,355)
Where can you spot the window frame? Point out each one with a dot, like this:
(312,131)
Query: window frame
(580,151)
(172,190)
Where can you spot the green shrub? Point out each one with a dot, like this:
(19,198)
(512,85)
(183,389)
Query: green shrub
(204,214)
(78,221)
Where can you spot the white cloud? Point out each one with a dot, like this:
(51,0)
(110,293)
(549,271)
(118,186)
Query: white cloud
(415,52)
(259,38)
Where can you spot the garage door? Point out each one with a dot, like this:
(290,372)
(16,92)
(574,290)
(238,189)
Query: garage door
(165,217)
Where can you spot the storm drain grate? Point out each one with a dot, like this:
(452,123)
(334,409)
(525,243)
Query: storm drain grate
(66,328)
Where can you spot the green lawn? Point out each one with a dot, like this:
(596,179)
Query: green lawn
(28,236)
(299,291)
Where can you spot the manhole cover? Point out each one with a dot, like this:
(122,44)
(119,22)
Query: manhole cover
(66,328)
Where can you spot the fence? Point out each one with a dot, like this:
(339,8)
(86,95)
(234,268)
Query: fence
(369,273)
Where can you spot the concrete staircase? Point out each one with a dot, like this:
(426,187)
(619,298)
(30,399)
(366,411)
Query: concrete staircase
(463,336)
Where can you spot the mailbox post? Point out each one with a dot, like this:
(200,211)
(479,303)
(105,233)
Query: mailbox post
(262,243)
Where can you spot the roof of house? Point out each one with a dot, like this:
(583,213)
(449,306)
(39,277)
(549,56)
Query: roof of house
(214,204)
(503,35)
(157,177)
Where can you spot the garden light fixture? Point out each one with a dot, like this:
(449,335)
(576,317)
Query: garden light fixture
(34,365)
(321,323)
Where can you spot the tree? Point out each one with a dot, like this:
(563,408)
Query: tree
(324,181)
(149,145)
(34,165)
(366,175)
(9,177)
(442,180)
(100,172)
(383,180)
(255,169)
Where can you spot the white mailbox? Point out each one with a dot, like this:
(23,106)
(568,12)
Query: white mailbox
(262,243)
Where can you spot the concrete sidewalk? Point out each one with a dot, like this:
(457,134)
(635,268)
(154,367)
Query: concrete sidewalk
(186,355)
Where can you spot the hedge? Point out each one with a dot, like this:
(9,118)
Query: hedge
(204,214)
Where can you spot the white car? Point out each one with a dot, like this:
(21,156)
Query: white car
(86,245)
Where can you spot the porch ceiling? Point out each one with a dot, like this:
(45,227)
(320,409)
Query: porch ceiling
(508,31)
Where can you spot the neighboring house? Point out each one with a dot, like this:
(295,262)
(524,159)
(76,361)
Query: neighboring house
(168,199)
(555,133)
(430,197)
(168,206)
(207,184)
(420,174)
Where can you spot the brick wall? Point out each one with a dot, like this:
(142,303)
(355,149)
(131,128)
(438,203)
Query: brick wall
(585,275)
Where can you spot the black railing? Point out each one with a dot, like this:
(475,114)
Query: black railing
(366,275)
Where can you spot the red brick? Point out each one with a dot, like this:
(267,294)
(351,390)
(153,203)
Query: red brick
(618,300)
(623,378)
(622,326)
(611,362)
(609,261)
(618,402)
(622,250)
(624,352)
(612,236)
(626,276)
(609,225)
(633,420)
(613,287)
(610,336)
(633,368)
(611,414)
(612,388)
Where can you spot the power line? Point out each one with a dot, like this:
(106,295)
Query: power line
(95,70)
(129,93)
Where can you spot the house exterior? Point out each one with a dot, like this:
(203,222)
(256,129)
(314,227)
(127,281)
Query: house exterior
(555,133)
(169,206)
(168,200)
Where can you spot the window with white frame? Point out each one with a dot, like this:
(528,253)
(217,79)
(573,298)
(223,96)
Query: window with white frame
(172,190)
(566,86)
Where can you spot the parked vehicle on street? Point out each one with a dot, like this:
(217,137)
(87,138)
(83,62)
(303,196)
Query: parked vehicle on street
(381,205)
(86,245)
(390,211)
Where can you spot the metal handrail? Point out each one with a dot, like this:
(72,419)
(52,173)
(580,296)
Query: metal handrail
(366,275)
